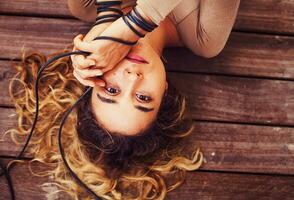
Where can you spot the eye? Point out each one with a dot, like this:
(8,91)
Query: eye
(111,90)
(143,98)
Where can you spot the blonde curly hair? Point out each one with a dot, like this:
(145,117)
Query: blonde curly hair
(147,166)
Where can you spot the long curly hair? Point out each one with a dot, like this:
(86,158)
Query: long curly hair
(144,166)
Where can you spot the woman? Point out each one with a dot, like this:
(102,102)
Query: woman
(202,26)
(126,142)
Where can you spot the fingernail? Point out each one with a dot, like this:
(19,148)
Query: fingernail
(99,74)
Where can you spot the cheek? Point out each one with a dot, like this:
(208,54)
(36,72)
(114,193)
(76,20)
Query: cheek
(156,85)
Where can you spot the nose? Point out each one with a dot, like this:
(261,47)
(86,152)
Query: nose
(132,73)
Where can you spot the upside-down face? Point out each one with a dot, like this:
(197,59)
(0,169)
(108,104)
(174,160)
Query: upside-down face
(130,101)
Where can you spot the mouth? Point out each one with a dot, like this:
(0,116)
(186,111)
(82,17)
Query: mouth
(136,59)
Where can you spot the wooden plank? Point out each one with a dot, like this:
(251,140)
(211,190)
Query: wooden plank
(6,73)
(244,54)
(268,16)
(198,185)
(244,148)
(260,16)
(42,35)
(8,120)
(226,147)
(212,186)
(28,186)
(53,8)
(224,98)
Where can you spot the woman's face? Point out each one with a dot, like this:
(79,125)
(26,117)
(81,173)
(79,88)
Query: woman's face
(131,98)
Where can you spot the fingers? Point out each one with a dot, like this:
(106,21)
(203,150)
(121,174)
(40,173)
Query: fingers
(88,73)
(80,61)
(88,77)
(81,45)
(83,81)
(92,82)
(99,82)
(83,62)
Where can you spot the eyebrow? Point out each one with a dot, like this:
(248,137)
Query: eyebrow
(141,108)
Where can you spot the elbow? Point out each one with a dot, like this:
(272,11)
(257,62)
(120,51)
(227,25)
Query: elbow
(209,45)
(209,50)
(209,53)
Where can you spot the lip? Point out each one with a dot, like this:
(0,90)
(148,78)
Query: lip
(136,59)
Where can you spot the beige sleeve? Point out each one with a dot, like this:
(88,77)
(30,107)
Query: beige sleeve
(157,10)
(83,11)
(206,29)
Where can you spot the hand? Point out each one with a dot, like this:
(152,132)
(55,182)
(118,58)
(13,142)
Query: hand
(83,67)
(106,53)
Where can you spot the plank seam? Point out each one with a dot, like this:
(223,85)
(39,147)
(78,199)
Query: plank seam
(244,123)
(244,173)
(286,79)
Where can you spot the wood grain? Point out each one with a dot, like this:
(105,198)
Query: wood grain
(244,55)
(226,147)
(267,16)
(270,16)
(27,186)
(52,8)
(198,185)
(6,73)
(8,120)
(225,98)
(43,35)
(249,55)
(216,186)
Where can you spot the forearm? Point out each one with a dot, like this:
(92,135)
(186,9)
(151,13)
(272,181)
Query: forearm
(82,11)
(215,22)
(157,10)
(96,30)
(85,9)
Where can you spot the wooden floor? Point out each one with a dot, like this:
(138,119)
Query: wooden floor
(242,100)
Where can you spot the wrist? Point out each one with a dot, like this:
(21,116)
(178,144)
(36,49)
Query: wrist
(118,29)
(127,32)
(95,31)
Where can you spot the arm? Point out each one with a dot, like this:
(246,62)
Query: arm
(82,9)
(156,10)
(84,69)
(212,22)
